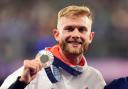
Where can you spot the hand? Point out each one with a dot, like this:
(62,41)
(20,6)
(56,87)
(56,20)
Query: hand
(31,68)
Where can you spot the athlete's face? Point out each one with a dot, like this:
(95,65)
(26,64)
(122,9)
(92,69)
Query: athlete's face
(74,34)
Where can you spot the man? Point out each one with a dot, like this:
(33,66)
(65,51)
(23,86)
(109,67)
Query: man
(69,69)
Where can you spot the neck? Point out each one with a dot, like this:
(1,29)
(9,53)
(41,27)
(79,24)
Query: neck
(71,58)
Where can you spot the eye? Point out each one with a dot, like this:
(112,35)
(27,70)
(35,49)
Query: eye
(69,28)
(82,29)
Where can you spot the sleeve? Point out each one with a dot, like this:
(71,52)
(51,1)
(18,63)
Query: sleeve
(18,85)
(11,79)
(121,83)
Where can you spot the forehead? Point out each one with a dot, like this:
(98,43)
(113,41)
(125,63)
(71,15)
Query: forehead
(74,21)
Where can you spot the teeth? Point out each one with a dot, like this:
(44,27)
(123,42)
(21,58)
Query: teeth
(74,42)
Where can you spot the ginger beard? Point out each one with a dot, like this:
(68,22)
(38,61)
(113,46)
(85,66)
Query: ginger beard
(74,47)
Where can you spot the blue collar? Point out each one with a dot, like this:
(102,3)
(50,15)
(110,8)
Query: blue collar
(60,64)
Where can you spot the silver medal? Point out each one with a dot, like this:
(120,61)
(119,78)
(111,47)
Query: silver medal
(45,57)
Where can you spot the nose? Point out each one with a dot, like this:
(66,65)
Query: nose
(76,33)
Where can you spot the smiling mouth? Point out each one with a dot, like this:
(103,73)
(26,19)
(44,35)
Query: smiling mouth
(74,42)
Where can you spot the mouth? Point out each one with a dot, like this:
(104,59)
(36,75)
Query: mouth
(74,42)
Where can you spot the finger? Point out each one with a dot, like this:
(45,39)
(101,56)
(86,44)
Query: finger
(35,64)
(38,64)
(28,64)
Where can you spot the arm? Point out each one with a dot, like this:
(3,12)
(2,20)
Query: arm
(18,84)
(28,72)
(11,78)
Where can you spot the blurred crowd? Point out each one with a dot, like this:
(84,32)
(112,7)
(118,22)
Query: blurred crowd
(26,27)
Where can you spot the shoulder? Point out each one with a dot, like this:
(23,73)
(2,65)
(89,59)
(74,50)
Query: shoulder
(94,73)
(93,70)
(93,77)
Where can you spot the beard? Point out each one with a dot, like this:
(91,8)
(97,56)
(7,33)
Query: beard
(68,48)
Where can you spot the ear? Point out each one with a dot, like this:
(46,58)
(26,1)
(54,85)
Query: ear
(91,36)
(56,34)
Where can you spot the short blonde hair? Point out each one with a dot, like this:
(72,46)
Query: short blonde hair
(74,10)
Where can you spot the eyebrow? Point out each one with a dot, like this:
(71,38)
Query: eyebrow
(75,26)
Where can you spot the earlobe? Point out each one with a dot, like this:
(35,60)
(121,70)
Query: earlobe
(56,34)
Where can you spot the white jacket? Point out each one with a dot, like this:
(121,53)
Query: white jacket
(89,79)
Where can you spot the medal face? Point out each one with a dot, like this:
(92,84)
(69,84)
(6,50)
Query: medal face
(45,57)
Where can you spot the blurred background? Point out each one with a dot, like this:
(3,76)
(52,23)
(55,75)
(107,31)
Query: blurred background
(26,27)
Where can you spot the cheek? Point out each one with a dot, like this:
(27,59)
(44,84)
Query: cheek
(65,36)
(85,39)
(62,38)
